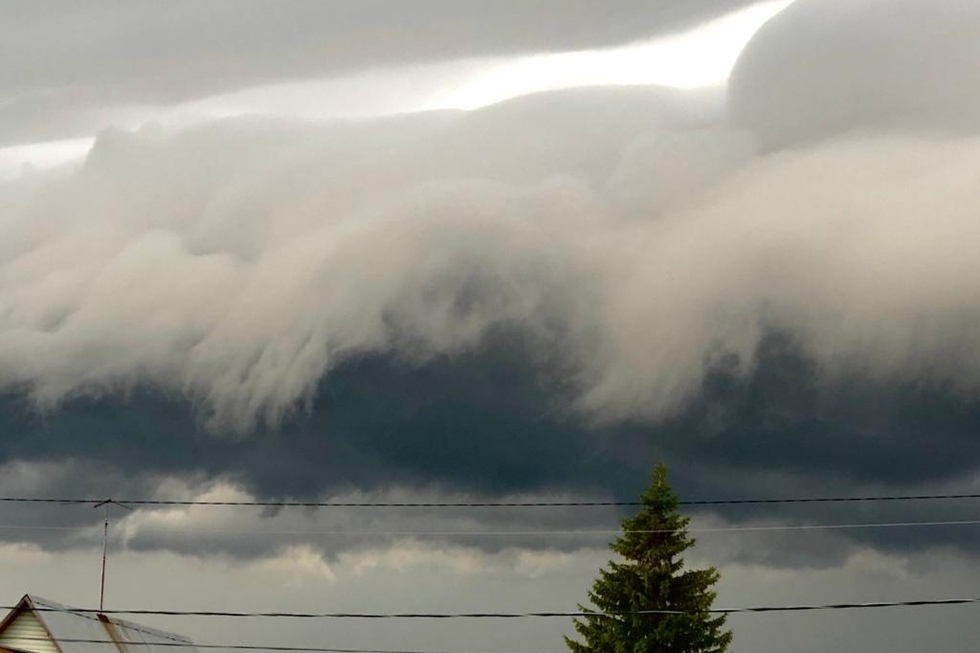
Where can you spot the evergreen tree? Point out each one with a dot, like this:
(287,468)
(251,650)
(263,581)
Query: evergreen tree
(652,577)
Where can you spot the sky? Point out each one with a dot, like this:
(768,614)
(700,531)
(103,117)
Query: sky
(496,251)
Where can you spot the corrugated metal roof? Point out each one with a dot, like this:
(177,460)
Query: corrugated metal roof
(68,625)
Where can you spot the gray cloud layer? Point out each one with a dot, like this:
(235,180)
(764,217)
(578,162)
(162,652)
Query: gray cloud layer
(545,295)
(64,64)
(827,67)
(237,264)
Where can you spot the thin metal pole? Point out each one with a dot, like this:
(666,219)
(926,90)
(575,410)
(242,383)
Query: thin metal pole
(105,542)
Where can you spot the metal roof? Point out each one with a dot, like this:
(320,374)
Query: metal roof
(67,626)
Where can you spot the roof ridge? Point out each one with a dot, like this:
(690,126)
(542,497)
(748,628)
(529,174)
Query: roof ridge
(34,601)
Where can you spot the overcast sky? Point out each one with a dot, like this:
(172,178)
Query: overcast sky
(490,251)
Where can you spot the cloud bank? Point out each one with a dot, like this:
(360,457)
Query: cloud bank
(515,300)
(69,71)
(237,263)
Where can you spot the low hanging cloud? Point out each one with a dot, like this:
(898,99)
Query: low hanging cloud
(541,296)
(237,263)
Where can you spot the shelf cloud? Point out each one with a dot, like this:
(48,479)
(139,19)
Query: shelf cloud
(525,297)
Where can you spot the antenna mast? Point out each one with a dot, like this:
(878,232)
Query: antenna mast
(105,542)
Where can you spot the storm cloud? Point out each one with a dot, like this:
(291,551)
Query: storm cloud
(535,299)
(236,264)
(189,50)
(130,59)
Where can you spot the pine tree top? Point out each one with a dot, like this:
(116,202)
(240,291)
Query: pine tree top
(658,529)
(651,577)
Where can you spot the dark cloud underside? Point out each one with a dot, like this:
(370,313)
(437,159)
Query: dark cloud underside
(490,424)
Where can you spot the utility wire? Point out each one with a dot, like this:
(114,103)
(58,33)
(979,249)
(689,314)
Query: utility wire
(237,647)
(484,504)
(605,532)
(507,615)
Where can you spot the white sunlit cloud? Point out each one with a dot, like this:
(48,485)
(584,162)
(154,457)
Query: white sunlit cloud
(699,58)
(18,159)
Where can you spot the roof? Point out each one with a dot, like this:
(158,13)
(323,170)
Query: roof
(69,628)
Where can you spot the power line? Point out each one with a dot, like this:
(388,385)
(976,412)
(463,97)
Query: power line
(504,533)
(483,504)
(846,606)
(238,647)
(510,615)
(810,527)
(732,502)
